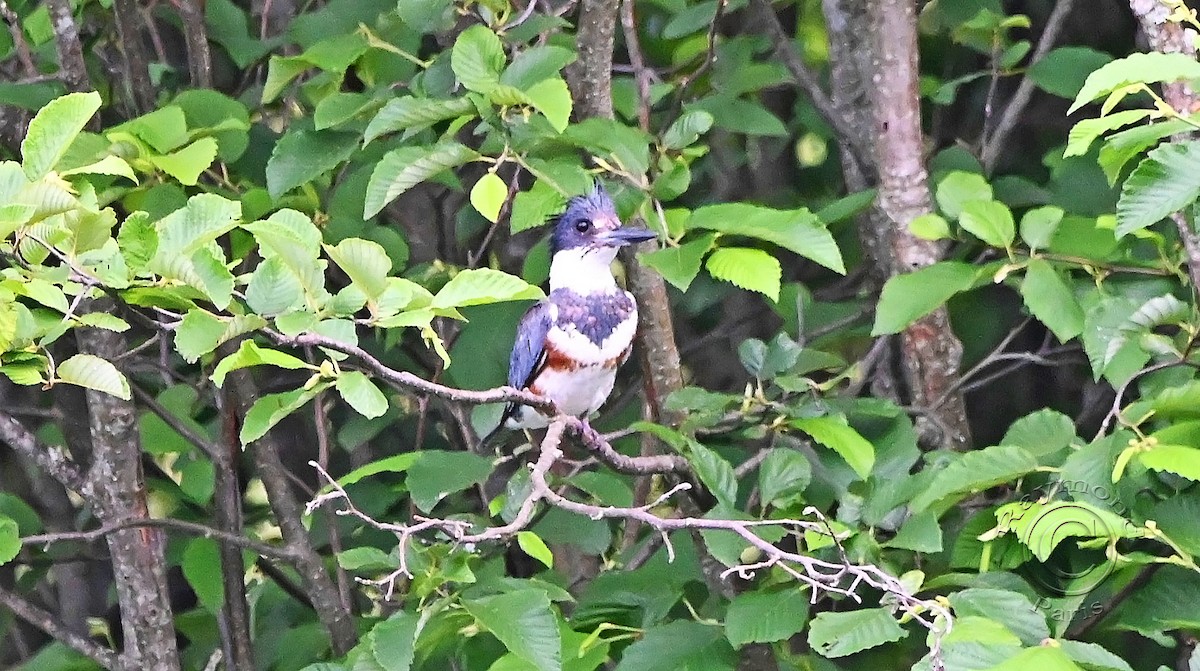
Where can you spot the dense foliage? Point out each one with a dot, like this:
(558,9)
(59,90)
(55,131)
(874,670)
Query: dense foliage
(262,265)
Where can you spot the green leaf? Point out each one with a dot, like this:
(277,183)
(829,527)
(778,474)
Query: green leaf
(361,393)
(1122,147)
(53,129)
(765,617)
(199,333)
(930,227)
(533,545)
(273,288)
(109,165)
(988,220)
(138,241)
(437,474)
(1043,526)
(393,641)
(398,463)
(365,262)
(1042,658)
(906,298)
(1064,70)
(959,188)
(748,268)
(682,645)
(536,64)
(795,230)
(365,558)
(186,164)
(1042,432)
(1133,69)
(92,372)
(687,129)
(1039,225)
(339,108)
(680,265)
(841,634)
(1093,657)
(552,98)
(1051,300)
(1011,609)
(414,114)
(714,471)
(974,472)
(1178,459)
(202,568)
(783,476)
(302,156)
(270,409)
(250,354)
(483,285)
(920,533)
(524,623)
(836,434)
(478,59)
(488,196)
(1084,133)
(1166,181)
(534,207)
(401,169)
(10,539)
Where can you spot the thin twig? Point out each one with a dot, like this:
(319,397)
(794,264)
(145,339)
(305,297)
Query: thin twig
(193,528)
(994,143)
(47,622)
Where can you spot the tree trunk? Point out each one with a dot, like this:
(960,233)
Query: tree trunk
(930,352)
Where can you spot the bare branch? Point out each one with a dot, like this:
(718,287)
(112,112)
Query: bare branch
(994,143)
(45,620)
(53,459)
(193,528)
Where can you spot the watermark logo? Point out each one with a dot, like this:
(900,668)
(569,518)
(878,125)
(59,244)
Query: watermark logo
(1071,540)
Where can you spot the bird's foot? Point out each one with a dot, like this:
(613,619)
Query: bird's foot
(587,433)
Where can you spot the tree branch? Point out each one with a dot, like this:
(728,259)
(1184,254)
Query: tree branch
(47,622)
(195,34)
(993,143)
(53,459)
(137,71)
(72,69)
(193,528)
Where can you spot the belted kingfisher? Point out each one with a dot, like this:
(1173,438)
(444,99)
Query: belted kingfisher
(570,344)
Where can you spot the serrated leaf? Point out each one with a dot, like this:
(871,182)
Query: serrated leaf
(401,169)
(552,98)
(483,285)
(974,472)
(92,372)
(1178,459)
(393,641)
(138,241)
(680,265)
(270,409)
(361,393)
(795,230)
(302,156)
(535,207)
(1084,133)
(536,64)
(748,268)
(488,196)
(411,114)
(1043,526)
(109,165)
(477,59)
(836,434)
(250,354)
(273,288)
(1166,181)
(437,474)
(1064,70)
(841,634)
(365,262)
(906,298)
(186,164)
(682,645)
(959,188)
(1133,69)
(1042,432)
(1039,225)
(1011,609)
(783,476)
(687,129)
(765,617)
(524,623)
(714,471)
(533,545)
(1051,300)
(53,129)
(988,220)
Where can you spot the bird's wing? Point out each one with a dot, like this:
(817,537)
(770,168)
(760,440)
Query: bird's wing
(529,351)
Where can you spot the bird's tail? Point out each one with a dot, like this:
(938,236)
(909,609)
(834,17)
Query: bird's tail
(488,440)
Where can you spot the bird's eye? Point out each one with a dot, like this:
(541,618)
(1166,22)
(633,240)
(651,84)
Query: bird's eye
(583,225)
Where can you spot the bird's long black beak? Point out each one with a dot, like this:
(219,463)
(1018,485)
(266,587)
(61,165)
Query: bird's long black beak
(628,235)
